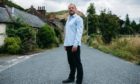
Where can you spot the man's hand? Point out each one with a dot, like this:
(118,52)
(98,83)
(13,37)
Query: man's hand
(74,49)
(65,47)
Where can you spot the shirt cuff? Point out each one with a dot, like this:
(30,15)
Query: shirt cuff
(75,45)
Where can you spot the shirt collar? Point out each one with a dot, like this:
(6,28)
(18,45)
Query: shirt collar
(73,15)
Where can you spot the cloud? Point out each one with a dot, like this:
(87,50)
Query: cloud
(55,5)
(28,3)
(119,7)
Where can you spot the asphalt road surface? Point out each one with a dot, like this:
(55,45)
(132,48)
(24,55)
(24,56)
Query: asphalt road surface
(51,67)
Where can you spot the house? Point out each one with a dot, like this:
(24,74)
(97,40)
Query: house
(52,21)
(4,19)
(40,12)
(10,15)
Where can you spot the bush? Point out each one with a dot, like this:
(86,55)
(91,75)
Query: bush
(1,49)
(28,38)
(138,63)
(58,35)
(95,41)
(26,33)
(12,45)
(46,37)
(12,29)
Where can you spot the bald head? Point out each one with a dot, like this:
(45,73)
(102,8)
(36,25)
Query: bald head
(71,4)
(72,9)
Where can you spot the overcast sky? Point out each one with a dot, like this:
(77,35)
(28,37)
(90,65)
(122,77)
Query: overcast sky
(119,7)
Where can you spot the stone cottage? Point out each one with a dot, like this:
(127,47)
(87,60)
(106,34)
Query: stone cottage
(8,15)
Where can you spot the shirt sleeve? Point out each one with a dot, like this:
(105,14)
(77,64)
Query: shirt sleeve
(79,31)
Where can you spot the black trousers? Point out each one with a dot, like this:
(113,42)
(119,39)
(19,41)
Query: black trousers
(74,61)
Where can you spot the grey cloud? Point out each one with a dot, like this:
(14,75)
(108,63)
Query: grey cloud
(119,7)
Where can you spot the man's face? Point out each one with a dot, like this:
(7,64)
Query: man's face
(72,9)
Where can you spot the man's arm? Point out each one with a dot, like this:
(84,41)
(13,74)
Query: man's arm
(65,31)
(79,32)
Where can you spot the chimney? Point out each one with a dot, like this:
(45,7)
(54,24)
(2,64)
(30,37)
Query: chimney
(44,7)
(41,10)
(32,6)
(2,3)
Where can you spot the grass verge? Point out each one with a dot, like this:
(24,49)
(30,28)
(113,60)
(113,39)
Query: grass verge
(127,48)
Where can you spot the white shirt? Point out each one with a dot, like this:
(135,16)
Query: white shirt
(73,31)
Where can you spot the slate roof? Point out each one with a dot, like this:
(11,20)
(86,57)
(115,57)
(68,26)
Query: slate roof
(4,17)
(27,18)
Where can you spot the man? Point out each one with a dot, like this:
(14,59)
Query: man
(72,42)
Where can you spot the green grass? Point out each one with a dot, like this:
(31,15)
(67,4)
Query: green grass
(125,48)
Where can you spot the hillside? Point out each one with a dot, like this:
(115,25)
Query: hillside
(61,14)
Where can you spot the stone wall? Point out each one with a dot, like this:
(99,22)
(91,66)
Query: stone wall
(2,33)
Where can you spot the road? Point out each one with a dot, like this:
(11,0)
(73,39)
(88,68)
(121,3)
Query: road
(51,67)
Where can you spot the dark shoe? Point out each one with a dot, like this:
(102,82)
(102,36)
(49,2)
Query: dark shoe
(68,81)
(78,83)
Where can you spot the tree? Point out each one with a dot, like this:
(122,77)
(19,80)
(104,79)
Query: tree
(121,29)
(127,27)
(138,28)
(134,27)
(109,25)
(91,9)
(92,19)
